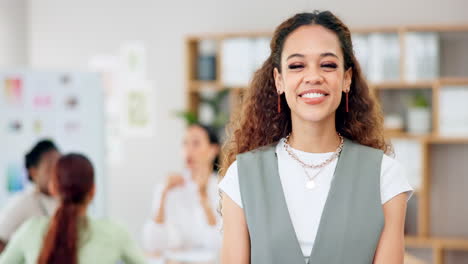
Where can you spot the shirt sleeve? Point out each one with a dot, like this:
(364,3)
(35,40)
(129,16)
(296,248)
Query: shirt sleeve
(11,218)
(393,180)
(14,253)
(230,184)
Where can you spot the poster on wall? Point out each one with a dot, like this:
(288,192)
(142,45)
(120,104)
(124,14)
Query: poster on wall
(139,116)
(13,91)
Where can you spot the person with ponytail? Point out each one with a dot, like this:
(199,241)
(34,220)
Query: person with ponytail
(70,236)
(308,175)
(35,200)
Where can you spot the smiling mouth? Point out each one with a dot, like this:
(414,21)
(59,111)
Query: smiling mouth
(312,95)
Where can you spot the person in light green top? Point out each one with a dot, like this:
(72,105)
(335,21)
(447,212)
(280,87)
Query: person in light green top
(70,236)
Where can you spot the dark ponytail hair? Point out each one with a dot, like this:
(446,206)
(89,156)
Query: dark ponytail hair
(73,181)
(33,157)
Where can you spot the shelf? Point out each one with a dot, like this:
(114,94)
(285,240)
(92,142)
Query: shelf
(221,36)
(447,140)
(410,259)
(452,81)
(428,138)
(357,30)
(405,135)
(371,30)
(437,242)
(437,28)
(402,85)
(197,85)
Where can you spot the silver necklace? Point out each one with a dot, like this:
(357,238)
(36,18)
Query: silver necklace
(310,183)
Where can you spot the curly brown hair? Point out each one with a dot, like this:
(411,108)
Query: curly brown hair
(259,124)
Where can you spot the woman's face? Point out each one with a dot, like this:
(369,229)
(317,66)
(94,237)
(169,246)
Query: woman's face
(198,151)
(42,173)
(313,75)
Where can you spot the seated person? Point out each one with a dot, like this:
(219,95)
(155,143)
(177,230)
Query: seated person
(70,236)
(184,212)
(33,201)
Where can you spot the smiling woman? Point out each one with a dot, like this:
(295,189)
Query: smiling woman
(306,175)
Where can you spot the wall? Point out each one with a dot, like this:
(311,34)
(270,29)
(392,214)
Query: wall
(13,34)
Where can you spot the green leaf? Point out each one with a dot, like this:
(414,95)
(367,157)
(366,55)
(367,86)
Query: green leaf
(419,101)
(189,117)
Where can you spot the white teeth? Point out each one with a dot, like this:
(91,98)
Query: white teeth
(312,95)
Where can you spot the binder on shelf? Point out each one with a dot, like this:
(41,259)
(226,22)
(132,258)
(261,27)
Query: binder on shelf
(453,111)
(206,68)
(422,53)
(384,57)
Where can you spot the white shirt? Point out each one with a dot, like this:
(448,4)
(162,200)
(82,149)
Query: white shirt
(185,225)
(293,179)
(22,206)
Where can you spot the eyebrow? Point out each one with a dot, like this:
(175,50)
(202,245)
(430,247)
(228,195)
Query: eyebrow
(325,54)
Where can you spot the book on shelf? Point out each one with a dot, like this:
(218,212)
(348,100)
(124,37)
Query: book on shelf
(422,51)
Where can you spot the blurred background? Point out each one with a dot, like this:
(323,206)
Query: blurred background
(120,80)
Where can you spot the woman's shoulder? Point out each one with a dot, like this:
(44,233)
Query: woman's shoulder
(109,228)
(105,225)
(35,225)
(257,151)
(36,222)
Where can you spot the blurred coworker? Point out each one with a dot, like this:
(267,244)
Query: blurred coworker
(35,200)
(184,212)
(70,236)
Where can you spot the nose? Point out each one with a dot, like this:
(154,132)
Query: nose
(312,76)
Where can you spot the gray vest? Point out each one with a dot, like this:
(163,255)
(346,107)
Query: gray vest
(351,222)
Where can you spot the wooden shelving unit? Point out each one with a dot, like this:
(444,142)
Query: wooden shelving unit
(423,237)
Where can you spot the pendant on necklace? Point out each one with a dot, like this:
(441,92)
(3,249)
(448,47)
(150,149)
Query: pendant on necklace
(310,184)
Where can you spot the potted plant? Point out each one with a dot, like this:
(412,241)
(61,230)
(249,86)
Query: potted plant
(419,115)
(210,111)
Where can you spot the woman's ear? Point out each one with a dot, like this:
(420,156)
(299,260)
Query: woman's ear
(348,77)
(32,173)
(278,81)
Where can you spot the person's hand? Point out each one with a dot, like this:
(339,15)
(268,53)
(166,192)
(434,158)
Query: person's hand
(173,181)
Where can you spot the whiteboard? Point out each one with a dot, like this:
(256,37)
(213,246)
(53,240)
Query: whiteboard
(67,107)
